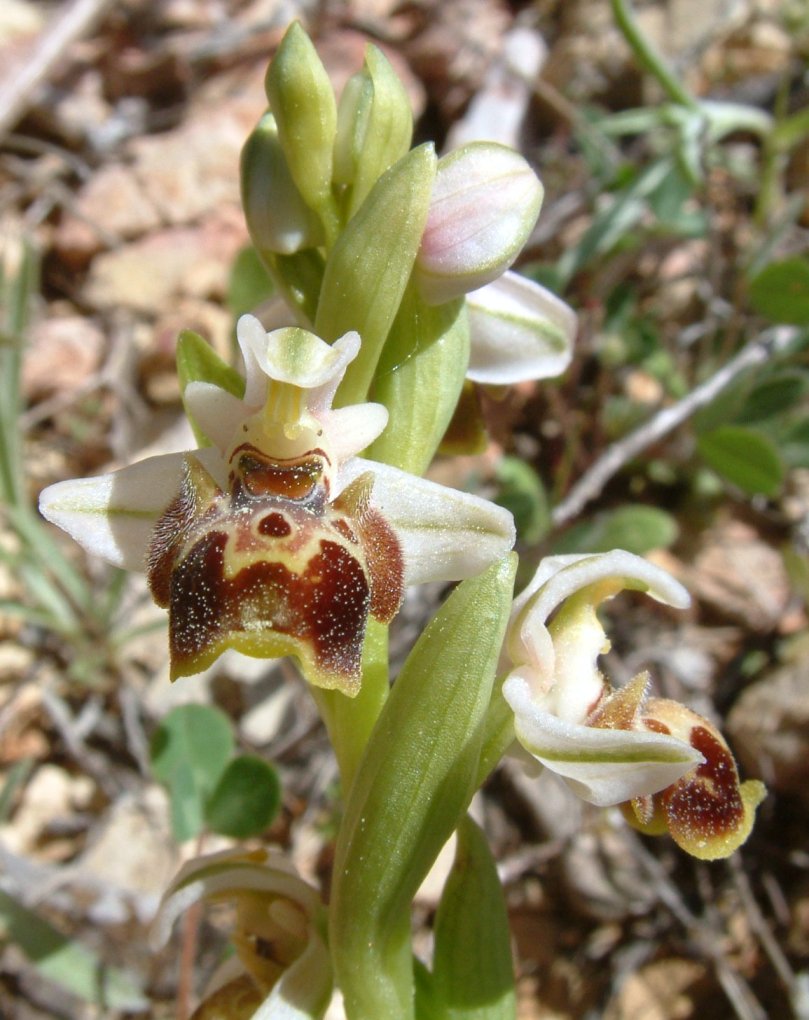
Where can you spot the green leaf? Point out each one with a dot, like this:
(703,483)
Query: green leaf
(246,798)
(793,444)
(522,492)
(473,974)
(619,219)
(634,528)
(197,361)
(725,407)
(189,752)
(249,284)
(187,805)
(414,783)
(780,292)
(368,269)
(427,1006)
(66,962)
(773,397)
(745,458)
(16,778)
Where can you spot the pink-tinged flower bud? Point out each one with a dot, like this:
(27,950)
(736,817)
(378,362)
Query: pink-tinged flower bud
(484,204)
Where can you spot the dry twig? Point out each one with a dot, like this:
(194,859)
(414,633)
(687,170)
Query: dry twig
(18,87)
(591,483)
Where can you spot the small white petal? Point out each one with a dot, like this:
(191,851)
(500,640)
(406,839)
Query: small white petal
(602,766)
(217,412)
(559,577)
(296,356)
(519,331)
(446,535)
(351,429)
(252,339)
(113,515)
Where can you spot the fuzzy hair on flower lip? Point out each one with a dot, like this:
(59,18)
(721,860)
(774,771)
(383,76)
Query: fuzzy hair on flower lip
(278,539)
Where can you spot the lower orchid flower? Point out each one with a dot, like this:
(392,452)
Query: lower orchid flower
(668,768)
(278,539)
(281,969)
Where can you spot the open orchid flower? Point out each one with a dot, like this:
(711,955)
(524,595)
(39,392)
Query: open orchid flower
(281,969)
(669,768)
(278,539)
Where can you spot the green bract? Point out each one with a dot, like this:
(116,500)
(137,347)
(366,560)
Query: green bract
(367,272)
(419,380)
(415,781)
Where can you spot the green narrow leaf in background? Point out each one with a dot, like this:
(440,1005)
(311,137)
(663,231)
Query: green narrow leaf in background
(794,444)
(246,798)
(745,458)
(780,292)
(66,962)
(473,973)
(15,779)
(774,396)
(189,752)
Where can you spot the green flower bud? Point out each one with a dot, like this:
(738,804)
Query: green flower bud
(374,127)
(302,99)
(277,217)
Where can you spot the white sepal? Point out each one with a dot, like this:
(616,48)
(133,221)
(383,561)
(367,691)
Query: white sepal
(113,515)
(445,534)
(519,331)
(602,766)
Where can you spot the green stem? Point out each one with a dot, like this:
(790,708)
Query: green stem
(649,58)
(349,721)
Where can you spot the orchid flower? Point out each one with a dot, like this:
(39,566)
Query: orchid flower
(667,767)
(278,539)
(281,969)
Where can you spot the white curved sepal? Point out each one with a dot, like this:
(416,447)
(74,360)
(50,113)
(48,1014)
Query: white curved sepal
(445,534)
(602,766)
(519,331)
(113,515)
